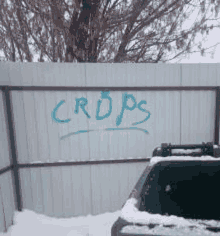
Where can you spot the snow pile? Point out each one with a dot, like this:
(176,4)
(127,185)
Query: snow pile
(29,223)
(154,160)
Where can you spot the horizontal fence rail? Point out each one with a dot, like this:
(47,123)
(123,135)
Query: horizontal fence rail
(143,88)
(3,170)
(71,163)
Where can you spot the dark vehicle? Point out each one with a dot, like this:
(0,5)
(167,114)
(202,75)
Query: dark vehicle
(175,196)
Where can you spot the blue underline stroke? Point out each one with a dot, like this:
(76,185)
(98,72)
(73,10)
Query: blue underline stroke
(73,133)
(108,129)
(128,128)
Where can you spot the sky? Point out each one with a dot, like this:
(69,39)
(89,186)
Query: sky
(208,41)
(213,38)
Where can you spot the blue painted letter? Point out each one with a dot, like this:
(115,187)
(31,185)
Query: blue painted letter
(53,114)
(125,98)
(104,95)
(82,105)
(144,110)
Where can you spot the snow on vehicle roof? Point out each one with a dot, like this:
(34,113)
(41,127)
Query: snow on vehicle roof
(154,160)
(175,151)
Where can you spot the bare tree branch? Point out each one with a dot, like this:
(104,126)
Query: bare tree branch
(104,30)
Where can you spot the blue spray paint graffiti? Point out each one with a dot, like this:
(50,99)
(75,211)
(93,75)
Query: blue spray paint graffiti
(55,111)
(82,102)
(142,109)
(107,129)
(125,98)
(82,105)
(104,95)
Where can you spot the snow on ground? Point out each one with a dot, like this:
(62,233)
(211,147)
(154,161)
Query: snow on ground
(29,223)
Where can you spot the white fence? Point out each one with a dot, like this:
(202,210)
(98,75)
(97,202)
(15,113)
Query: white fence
(177,117)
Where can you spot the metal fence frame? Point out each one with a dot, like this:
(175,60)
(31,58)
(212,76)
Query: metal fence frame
(11,132)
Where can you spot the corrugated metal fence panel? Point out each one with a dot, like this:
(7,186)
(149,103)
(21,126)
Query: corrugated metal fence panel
(33,119)
(44,189)
(164,122)
(4,145)
(45,133)
(59,191)
(132,74)
(26,188)
(7,201)
(39,185)
(82,190)
(15,75)
(134,143)
(197,116)
(20,122)
(198,107)
(109,181)
(4,69)
(94,74)
(33,114)
(218,74)
(45,74)
(99,74)
(33,181)
(166,75)
(43,141)
(2,215)
(200,75)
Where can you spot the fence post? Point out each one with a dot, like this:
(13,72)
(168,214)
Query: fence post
(12,145)
(217,111)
